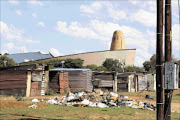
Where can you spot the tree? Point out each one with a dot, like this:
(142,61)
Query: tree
(101,68)
(73,63)
(112,65)
(6,61)
(133,69)
(69,63)
(96,68)
(147,65)
(92,67)
(150,66)
(153,61)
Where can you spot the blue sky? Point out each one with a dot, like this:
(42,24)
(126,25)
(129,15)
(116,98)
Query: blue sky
(69,27)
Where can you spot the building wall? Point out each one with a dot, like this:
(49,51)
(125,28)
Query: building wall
(97,58)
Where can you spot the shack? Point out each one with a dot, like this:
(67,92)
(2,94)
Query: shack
(104,80)
(59,81)
(127,82)
(134,82)
(146,81)
(24,80)
(123,82)
(79,79)
(116,82)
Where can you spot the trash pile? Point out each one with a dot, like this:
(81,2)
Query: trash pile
(98,99)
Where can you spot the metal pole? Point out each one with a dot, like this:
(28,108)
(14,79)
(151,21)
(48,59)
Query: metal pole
(168,49)
(159,58)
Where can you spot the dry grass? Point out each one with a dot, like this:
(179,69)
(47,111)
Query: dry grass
(12,109)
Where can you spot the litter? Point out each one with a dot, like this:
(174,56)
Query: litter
(85,102)
(149,97)
(34,106)
(80,94)
(52,101)
(92,104)
(35,100)
(125,97)
(99,100)
(101,105)
(113,94)
(63,99)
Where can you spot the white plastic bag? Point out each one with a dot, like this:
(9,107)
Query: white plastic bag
(85,102)
(35,100)
(101,105)
(113,94)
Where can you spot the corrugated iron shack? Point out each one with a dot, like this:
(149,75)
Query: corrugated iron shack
(133,82)
(59,81)
(104,80)
(79,79)
(146,81)
(127,82)
(24,80)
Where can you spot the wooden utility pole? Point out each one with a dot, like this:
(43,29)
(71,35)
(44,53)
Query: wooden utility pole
(159,59)
(168,49)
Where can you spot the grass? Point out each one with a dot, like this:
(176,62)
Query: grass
(20,110)
(12,109)
(175,97)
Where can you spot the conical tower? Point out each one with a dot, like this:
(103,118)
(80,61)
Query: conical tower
(118,41)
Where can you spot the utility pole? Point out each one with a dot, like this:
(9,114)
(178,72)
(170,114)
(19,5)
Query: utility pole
(159,59)
(168,50)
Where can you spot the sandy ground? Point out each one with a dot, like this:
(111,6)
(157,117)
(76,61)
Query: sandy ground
(175,105)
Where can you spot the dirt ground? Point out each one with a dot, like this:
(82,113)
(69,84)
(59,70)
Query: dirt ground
(11,101)
(175,105)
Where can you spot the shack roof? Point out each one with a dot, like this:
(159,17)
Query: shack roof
(70,69)
(23,67)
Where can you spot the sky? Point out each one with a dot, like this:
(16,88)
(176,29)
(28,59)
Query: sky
(67,27)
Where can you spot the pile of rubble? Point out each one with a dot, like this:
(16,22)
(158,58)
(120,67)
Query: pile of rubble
(98,99)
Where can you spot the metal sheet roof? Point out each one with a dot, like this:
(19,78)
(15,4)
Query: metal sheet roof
(31,56)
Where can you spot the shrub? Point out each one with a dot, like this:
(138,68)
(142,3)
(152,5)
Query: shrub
(19,98)
(49,92)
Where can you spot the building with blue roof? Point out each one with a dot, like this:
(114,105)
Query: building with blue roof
(30,56)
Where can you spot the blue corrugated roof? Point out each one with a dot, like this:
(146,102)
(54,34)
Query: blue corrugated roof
(70,69)
(31,56)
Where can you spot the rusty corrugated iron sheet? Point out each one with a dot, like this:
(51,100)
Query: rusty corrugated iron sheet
(78,79)
(13,82)
(13,79)
(103,79)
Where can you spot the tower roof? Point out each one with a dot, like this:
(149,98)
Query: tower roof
(118,41)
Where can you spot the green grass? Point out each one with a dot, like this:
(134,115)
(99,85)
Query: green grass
(86,113)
